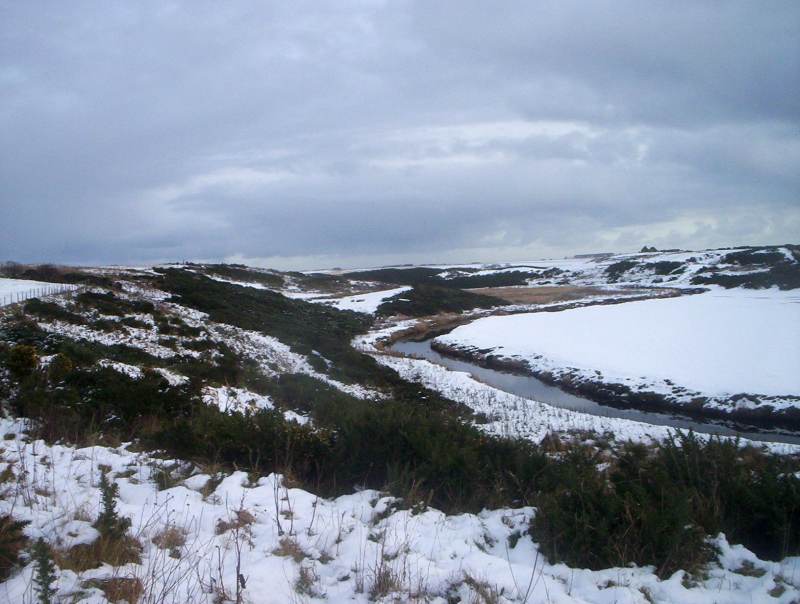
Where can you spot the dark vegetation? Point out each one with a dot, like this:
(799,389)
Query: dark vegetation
(109,523)
(320,281)
(648,506)
(51,273)
(425,300)
(784,275)
(50,311)
(418,276)
(656,507)
(616,270)
(754,257)
(508,279)
(667,267)
(238,272)
(45,573)
(12,542)
(400,276)
(109,304)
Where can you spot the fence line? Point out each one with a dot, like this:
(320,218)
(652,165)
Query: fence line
(57,289)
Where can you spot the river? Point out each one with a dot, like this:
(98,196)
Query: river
(529,387)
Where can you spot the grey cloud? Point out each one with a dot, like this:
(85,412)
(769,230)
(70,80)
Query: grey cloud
(399,131)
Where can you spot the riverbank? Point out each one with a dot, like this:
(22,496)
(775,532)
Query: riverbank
(719,356)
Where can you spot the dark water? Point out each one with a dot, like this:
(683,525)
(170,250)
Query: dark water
(532,388)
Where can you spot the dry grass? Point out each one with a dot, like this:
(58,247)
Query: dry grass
(170,538)
(748,569)
(424,327)
(115,552)
(119,589)
(384,580)
(289,548)
(306,583)
(240,519)
(542,295)
(482,592)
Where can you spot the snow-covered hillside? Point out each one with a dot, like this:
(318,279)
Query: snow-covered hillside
(749,267)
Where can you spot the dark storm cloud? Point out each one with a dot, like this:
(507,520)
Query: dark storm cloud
(338,133)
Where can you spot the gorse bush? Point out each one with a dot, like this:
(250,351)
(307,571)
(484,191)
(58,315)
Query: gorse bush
(423,276)
(22,360)
(657,506)
(237,272)
(109,304)
(12,542)
(49,311)
(617,269)
(430,299)
(589,519)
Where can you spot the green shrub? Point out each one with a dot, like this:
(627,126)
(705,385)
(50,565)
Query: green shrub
(108,304)
(667,267)
(12,542)
(50,311)
(45,572)
(238,272)
(22,360)
(109,523)
(416,275)
(58,369)
(657,506)
(429,300)
(616,270)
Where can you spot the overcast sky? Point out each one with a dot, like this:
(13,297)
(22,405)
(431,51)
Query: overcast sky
(318,134)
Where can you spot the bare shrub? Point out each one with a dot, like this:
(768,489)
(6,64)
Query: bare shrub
(170,538)
(238,520)
(288,547)
(307,580)
(118,589)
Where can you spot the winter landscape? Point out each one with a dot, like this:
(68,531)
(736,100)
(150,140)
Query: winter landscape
(252,435)
(377,301)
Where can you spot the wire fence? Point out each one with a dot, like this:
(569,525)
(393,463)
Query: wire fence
(56,289)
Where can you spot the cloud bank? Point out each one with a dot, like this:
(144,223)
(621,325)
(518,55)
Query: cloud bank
(313,134)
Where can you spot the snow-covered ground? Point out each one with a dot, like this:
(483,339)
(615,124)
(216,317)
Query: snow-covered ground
(717,344)
(291,546)
(13,290)
(366,303)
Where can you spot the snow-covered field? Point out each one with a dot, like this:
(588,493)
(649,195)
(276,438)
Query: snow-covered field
(291,546)
(717,344)
(12,290)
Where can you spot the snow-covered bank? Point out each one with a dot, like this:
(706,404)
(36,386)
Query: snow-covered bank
(514,416)
(713,346)
(292,546)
